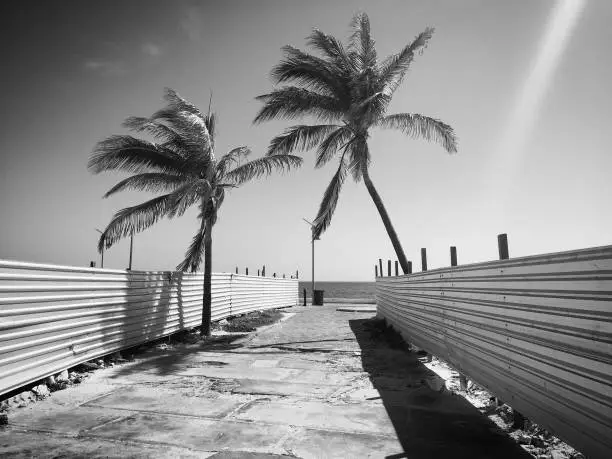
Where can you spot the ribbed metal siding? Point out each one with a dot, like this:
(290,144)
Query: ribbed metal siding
(54,317)
(535,331)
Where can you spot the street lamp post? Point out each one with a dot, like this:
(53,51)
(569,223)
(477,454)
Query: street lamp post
(102,262)
(313,239)
(131,249)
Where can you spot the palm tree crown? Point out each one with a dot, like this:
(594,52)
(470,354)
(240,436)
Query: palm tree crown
(182,165)
(348,90)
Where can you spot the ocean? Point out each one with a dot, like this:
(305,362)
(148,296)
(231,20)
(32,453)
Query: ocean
(347,290)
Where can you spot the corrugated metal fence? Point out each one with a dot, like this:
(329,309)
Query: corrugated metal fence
(54,317)
(535,331)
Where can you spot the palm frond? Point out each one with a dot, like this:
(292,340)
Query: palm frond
(328,148)
(187,195)
(301,137)
(333,49)
(179,104)
(193,256)
(416,126)
(292,102)
(393,69)
(232,157)
(134,219)
(160,131)
(130,154)
(189,126)
(307,70)
(330,200)
(358,157)
(149,181)
(211,124)
(362,42)
(262,166)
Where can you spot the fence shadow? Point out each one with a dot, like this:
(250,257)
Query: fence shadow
(428,420)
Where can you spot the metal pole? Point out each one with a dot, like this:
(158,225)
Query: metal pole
(102,261)
(131,249)
(313,279)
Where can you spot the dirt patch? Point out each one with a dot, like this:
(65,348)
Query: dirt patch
(251,321)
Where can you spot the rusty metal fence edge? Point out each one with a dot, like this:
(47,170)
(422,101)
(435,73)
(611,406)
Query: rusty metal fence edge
(54,317)
(535,331)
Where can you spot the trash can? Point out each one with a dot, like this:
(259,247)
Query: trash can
(318,298)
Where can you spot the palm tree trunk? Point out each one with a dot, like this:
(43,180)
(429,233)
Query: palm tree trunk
(207,298)
(399,251)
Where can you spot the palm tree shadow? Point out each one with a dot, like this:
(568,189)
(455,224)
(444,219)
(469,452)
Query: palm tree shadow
(428,422)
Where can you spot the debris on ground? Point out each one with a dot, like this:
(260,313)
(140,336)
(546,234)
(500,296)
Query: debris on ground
(251,321)
(534,439)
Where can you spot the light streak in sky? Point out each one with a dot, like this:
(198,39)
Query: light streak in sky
(525,114)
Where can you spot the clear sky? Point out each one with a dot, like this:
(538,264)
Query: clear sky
(72,71)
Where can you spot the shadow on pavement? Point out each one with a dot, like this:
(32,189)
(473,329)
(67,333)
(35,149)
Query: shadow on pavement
(179,355)
(429,423)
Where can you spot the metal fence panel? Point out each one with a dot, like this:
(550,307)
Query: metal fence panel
(54,317)
(535,331)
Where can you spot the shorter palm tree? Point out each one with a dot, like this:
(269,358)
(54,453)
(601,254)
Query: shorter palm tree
(183,166)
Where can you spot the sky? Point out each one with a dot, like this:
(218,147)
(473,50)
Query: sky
(525,85)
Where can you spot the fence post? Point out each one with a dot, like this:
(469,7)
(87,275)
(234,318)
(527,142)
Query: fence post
(304,297)
(423,259)
(463,382)
(502,245)
(409,268)
(375,271)
(380,270)
(389,268)
(453,255)
(396,268)
(518,421)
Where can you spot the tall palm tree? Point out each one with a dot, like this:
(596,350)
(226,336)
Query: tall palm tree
(182,164)
(347,90)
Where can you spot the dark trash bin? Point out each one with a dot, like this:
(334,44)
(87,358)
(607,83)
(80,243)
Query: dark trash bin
(318,298)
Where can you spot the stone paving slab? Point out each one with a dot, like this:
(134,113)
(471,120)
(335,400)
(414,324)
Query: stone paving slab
(282,388)
(167,400)
(27,445)
(316,444)
(199,434)
(67,421)
(345,418)
(271,374)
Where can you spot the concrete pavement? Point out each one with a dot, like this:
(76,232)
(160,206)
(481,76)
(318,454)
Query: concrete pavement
(320,384)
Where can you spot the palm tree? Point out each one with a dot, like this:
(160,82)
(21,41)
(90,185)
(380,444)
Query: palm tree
(347,90)
(184,167)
